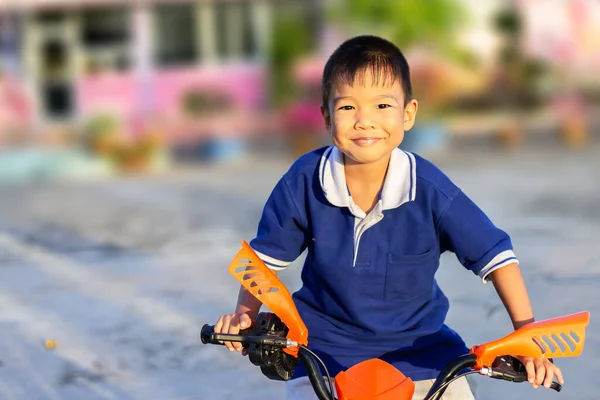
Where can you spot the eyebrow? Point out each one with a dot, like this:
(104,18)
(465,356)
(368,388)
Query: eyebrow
(336,99)
(386,96)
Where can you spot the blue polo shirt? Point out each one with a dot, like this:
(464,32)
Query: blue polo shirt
(368,282)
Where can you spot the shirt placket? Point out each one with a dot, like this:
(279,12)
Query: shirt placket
(363,224)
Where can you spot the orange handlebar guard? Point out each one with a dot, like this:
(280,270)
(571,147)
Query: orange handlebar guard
(259,280)
(551,338)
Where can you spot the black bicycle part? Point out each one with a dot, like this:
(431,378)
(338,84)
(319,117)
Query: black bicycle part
(447,383)
(315,376)
(509,368)
(264,341)
(449,372)
(273,363)
(208,336)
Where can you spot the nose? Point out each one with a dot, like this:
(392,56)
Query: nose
(365,120)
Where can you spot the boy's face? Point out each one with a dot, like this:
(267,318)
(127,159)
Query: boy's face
(367,121)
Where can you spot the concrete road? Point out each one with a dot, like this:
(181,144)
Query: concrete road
(123,273)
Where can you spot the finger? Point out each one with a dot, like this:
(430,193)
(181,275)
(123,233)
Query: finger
(245,321)
(540,373)
(549,376)
(219,326)
(530,368)
(225,329)
(234,329)
(559,375)
(245,351)
(234,325)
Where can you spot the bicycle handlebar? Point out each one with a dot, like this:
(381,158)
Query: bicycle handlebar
(208,336)
(506,368)
(280,340)
(510,369)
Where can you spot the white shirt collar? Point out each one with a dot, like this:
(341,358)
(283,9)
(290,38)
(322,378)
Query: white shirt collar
(399,186)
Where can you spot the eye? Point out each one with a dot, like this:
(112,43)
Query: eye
(346,108)
(382,106)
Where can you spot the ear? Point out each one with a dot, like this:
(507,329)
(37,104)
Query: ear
(410,114)
(326,117)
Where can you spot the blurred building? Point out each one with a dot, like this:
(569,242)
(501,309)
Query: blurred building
(206,68)
(155,59)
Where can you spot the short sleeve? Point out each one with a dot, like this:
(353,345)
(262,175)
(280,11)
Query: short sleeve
(280,238)
(479,245)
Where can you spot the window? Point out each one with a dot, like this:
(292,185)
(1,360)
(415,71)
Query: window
(106,36)
(175,34)
(222,35)
(249,44)
(57,99)
(54,57)
(49,17)
(235,30)
(105,27)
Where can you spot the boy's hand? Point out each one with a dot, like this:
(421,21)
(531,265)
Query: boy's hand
(541,371)
(232,324)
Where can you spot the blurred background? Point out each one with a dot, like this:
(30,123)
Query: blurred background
(143,85)
(139,140)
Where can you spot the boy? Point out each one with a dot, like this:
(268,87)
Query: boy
(375,220)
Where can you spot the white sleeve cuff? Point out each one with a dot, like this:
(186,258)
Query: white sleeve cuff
(501,260)
(272,263)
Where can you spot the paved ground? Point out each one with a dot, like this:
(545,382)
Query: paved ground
(123,273)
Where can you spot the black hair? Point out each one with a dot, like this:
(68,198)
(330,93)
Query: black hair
(361,54)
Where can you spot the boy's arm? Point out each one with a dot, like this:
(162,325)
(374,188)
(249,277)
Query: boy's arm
(248,304)
(243,317)
(511,289)
(280,239)
(465,230)
(510,286)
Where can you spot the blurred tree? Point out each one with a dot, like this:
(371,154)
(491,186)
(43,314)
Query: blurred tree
(295,34)
(404,22)
(520,75)
(430,25)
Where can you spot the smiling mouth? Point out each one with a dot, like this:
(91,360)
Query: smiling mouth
(366,141)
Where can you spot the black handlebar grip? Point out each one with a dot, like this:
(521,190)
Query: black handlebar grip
(511,369)
(208,331)
(206,334)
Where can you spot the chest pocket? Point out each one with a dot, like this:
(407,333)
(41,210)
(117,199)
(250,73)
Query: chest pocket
(408,277)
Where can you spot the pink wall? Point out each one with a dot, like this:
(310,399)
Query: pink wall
(113,92)
(127,94)
(246,84)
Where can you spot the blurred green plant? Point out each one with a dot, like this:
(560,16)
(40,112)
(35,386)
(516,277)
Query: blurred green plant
(404,22)
(197,102)
(100,132)
(106,136)
(431,25)
(520,75)
(294,36)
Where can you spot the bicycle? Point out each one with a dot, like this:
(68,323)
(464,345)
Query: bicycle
(278,341)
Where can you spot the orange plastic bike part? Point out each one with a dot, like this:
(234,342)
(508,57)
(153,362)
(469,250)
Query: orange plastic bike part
(373,379)
(259,280)
(551,338)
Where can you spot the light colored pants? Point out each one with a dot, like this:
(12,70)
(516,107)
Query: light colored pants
(300,389)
